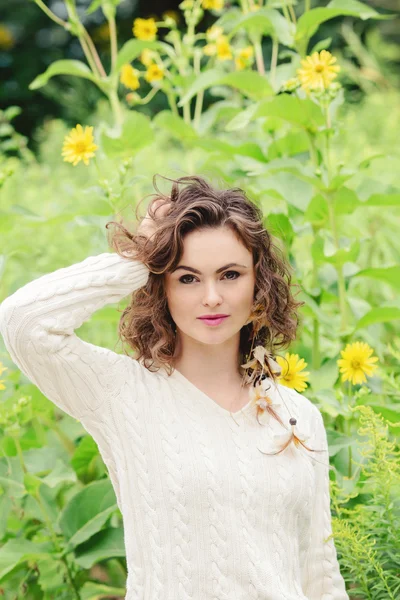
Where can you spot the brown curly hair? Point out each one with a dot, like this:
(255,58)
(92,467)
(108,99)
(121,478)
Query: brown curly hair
(146,323)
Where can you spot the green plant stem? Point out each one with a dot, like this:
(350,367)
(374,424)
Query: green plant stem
(20,455)
(113,42)
(285,11)
(259,55)
(52,16)
(332,219)
(339,269)
(200,95)
(274,59)
(349,395)
(307,5)
(293,14)
(88,56)
(172,102)
(56,544)
(116,107)
(94,53)
(316,358)
(68,444)
(313,149)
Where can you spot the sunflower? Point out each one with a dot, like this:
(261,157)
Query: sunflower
(79,145)
(129,77)
(318,71)
(357,362)
(145,29)
(292,375)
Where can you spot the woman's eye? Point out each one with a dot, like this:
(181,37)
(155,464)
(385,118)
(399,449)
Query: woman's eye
(181,279)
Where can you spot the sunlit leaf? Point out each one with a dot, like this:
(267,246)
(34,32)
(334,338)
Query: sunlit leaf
(379,315)
(63,67)
(250,83)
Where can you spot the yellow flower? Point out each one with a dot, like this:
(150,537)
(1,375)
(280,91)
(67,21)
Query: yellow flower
(318,71)
(213,33)
(2,368)
(292,375)
(224,51)
(243,57)
(78,145)
(147,56)
(154,73)
(213,4)
(129,77)
(6,38)
(145,29)
(357,362)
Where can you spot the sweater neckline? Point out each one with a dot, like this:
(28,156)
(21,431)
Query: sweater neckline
(212,403)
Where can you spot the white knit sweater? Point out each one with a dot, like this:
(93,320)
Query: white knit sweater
(206,515)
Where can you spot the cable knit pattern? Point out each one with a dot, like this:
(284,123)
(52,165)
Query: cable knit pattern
(206,515)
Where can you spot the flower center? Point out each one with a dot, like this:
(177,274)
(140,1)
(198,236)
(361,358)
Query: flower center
(319,68)
(80,147)
(356,364)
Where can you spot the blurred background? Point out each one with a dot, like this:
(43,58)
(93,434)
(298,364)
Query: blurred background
(29,42)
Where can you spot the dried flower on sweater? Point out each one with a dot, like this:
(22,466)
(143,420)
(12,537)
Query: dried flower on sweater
(259,395)
(263,358)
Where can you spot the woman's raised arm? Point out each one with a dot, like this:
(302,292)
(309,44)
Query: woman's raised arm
(38,321)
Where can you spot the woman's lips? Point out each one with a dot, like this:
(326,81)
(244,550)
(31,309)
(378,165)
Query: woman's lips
(213,322)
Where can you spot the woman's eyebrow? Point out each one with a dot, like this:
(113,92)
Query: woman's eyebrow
(217,271)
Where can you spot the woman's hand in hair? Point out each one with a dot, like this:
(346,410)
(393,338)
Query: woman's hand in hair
(148,225)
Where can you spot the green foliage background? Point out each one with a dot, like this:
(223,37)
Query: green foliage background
(327,179)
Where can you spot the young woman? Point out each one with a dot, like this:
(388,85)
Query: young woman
(220,472)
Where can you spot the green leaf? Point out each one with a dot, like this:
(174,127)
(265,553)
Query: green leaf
(379,315)
(16,551)
(324,378)
(302,112)
(265,21)
(99,591)
(382,200)
(137,133)
(309,22)
(321,45)
(345,201)
(296,192)
(337,441)
(63,67)
(133,48)
(87,511)
(390,275)
(108,543)
(51,574)
(87,449)
(250,83)
(174,125)
(12,477)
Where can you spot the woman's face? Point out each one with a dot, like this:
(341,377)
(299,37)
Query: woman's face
(195,288)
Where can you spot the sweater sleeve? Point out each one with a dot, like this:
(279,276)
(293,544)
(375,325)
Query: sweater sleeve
(321,575)
(38,321)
